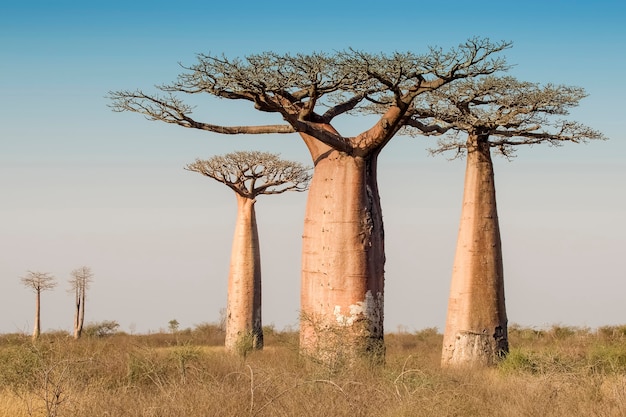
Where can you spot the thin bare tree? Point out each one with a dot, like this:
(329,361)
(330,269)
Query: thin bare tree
(79,283)
(249,174)
(38,282)
(343,253)
(493,113)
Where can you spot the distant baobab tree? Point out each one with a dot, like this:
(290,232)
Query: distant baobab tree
(38,282)
(79,283)
(343,252)
(494,113)
(249,174)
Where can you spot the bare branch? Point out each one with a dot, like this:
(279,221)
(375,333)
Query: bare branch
(169,109)
(343,107)
(471,59)
(236,130)
(425,129)
(326,136)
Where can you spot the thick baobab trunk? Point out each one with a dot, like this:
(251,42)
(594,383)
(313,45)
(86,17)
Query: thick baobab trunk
(243,312)
(37,328)
(343,259)
(476,326)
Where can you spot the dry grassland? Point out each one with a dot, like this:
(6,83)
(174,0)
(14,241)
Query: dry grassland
(560,371)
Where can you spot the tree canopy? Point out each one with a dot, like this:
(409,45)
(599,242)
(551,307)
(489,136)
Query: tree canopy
(252,173)
(310,91)
(81,278)
(508,111)
(39,281)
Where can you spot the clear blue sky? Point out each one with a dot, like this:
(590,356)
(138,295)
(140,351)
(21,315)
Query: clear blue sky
(81,185)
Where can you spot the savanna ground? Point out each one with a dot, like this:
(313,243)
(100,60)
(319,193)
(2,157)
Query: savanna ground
(557,371)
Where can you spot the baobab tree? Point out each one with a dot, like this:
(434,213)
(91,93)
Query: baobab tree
(38,282)
(79,283)
(249,174)
(492,113)
(342,284)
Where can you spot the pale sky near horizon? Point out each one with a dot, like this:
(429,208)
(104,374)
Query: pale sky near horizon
(81,185)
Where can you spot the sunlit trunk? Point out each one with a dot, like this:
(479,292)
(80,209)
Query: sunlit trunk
(37,329)
(243,311)
(476,326)
(342,258)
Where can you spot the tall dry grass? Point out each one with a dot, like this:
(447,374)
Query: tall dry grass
(559,371)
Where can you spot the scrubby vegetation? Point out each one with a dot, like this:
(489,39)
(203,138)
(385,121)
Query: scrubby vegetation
(557,371)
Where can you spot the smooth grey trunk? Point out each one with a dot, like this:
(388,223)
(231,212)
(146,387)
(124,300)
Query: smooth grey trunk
(243,310)
(476,325)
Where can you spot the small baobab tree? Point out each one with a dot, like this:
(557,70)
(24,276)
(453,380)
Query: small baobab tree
(343,256)
(249,174)
(38,282)
(80,280)
(493,113)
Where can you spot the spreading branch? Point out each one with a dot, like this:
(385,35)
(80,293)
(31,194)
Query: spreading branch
(310,91)
(170,109)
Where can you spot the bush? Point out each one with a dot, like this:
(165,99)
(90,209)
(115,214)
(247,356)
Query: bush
(101,329)
(525,333)
(560,332)
(519,361)
(18,364)
(612,332)
(608,359)
(211,334)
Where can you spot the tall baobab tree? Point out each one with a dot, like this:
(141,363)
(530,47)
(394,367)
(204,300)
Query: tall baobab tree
(249,174)
(343,244)
(79,283)
(38,282)
(494,113)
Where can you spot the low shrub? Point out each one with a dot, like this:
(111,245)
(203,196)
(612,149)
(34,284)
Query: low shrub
(101,329)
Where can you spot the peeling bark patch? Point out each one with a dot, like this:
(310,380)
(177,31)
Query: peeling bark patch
(371,308)
(471,347)
(477,348)
(355,312)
